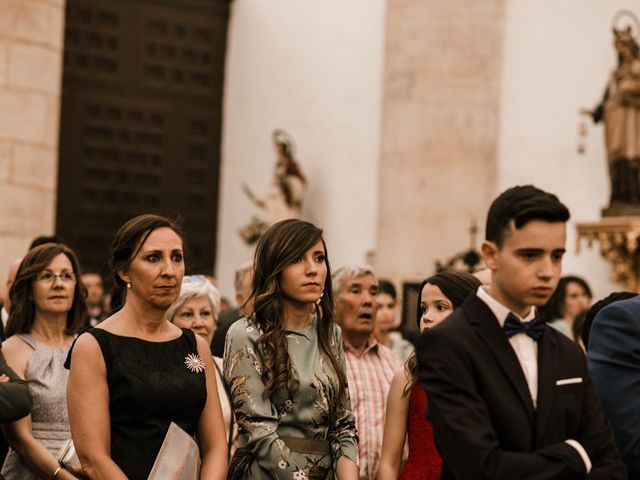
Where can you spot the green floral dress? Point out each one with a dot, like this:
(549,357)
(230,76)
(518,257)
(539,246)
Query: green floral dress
(315,412)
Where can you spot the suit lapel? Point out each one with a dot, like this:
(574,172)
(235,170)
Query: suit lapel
(547,374)
(488,329)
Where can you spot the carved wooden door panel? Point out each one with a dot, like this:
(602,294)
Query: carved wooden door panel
(140,120)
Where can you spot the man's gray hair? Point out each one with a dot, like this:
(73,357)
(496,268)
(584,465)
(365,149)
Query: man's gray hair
(355,271)
(241,273)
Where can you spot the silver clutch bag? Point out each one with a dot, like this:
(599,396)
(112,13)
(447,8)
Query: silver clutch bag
(67,456)
(178,458)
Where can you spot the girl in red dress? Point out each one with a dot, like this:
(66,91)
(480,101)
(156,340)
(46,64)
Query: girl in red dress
(405,418)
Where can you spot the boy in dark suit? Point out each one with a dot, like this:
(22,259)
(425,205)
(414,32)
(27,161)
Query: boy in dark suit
(509,397)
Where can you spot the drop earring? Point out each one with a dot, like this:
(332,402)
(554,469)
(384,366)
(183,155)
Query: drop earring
(320,299)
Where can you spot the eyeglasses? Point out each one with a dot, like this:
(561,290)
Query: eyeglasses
(50,277)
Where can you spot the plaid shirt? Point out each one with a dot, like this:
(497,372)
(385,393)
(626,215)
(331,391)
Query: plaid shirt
(369,376)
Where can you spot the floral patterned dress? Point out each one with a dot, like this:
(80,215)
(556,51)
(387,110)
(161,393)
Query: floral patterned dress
(315,412)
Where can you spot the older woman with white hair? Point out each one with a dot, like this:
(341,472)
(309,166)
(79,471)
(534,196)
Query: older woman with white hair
(197,309)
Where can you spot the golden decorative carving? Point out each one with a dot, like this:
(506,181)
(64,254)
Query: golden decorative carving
(619,239)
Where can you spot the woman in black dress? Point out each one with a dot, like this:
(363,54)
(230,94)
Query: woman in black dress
(135,373)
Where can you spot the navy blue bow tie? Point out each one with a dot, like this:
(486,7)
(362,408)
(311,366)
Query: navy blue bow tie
(534,328)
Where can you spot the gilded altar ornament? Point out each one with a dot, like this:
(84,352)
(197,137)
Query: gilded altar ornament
(619,239)
(194,362)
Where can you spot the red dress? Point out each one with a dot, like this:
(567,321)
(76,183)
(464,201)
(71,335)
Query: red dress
(424,462)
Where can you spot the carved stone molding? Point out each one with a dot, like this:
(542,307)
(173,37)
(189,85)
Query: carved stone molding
(619,239)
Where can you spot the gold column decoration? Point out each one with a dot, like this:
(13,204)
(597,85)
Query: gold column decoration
(618,238)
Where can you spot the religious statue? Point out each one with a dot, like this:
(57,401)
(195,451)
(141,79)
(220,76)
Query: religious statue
(620,112)
(285,194)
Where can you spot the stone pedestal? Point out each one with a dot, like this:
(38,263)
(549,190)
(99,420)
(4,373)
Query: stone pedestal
(619,238)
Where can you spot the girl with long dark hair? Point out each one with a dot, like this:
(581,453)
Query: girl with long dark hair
(438,296)
(284,366)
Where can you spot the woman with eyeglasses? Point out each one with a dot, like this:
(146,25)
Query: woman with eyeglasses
(47,310)
(135,373)
(197,308)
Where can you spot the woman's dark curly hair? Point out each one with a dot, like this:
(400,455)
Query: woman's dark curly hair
(278,247)
(23,308)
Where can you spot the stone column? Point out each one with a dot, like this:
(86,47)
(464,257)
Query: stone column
(31,42)
(439,130)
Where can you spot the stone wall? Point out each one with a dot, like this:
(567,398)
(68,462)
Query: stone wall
(31,42)
(440,127)
(314,69)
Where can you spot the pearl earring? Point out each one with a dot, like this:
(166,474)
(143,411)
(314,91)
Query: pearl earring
(128,284)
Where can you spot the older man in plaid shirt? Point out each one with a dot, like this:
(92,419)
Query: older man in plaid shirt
(370,365)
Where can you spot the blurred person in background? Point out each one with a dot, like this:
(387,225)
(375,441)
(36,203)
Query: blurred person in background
(571,297)
(244,301)
(387,322)
(370,365)
(95,298)
(6,300)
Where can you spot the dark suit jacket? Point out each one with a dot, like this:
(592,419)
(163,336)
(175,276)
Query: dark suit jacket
(614,364)
(226,319)
(483,417)
(15,401)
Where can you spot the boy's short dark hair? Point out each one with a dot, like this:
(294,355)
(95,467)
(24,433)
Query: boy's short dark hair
(522,204)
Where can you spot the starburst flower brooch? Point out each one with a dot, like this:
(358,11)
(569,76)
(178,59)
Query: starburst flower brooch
(194,362)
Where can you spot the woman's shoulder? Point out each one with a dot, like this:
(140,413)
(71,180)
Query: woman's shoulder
(15,342)
(244,328)
(17,353)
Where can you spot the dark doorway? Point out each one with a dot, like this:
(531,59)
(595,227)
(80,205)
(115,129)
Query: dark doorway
(141,121)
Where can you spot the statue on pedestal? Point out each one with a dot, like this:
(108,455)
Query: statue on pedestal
(285,195)
(620,112)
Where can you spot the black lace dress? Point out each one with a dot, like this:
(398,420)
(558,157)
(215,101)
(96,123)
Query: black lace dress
(151,384)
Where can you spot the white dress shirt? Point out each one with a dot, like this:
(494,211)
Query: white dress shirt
(526,349)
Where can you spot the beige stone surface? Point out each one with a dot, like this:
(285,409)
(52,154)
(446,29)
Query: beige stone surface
(23,116)
(51,129)
(6,155)
(35,166)
(33,21)
(439,130)
(31,34)
(23,209)
(13,246)
(35,67)
(4,61)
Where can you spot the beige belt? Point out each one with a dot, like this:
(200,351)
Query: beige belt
(306,445)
